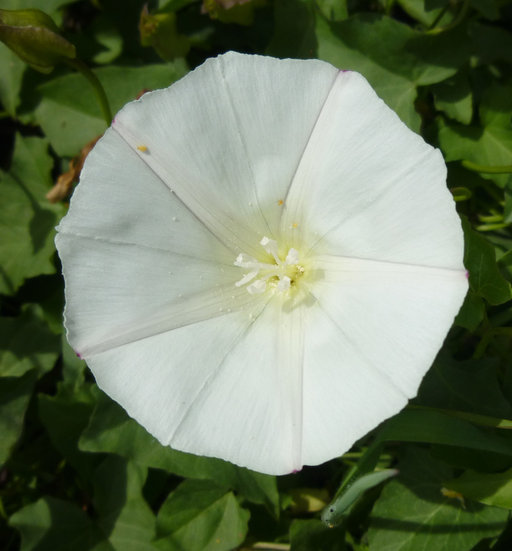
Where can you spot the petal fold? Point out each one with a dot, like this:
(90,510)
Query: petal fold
(228,137)
(368,187)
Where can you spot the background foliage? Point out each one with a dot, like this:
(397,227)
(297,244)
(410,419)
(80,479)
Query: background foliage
(77,473)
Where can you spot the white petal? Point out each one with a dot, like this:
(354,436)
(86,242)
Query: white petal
(230,389)
(228,137)
(122,200)
(117,293)
(371,337)
(368,187)
(134,257)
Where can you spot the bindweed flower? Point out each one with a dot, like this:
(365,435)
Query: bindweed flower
(261,261)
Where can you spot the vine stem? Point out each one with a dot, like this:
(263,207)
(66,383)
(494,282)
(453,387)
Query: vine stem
(505,169)
(82,68)
(455,21)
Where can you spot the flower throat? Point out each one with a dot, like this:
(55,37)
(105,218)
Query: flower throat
(280,276)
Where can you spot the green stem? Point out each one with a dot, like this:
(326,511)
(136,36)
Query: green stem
(487,337)
(96,84)
(461,194)
(489,219)
(505,169)
(492,227)
(455,21)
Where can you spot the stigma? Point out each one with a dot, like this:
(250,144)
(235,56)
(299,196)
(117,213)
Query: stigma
(279,275)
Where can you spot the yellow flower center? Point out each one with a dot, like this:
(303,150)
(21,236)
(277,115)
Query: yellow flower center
(279,275)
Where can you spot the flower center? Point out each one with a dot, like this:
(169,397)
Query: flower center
(281,275)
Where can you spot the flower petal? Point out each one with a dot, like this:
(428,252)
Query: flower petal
(231,390)
(228,137)
(379,191)
(375,330)
(135,260)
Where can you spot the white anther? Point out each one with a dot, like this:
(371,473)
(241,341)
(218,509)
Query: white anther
(284,284)
(257,287)
(247,277)
(292,257)
(271,247)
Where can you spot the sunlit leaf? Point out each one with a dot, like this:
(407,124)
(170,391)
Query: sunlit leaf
(27,219)
(392,56)
(485,278)
(52,524)
(69,113)
(124,516)
(487,488)
(26,343)
(487,145)
(413,512)
(200,516)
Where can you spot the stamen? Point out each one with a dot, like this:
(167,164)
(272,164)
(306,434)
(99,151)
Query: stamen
(292,257)
(247,277)
(280,276)
(257,287)
(271,247)
(284,284)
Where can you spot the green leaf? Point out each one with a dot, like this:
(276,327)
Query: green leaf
(10,83)
(124,517)
(47,292)
(160,31)
(419,10)
(394,58)
(65,416)
(486,145)
(434,427)
(26,343)
(15,393)
(313,535)
(487,8)
(69,114)
(27,219)
(109,39)
(54,525)
(472,312)
(294,31)
(491,42)
(111,430)
(333,10)
(51,7)
(454,97)
(412,513)
(72,366)
(200,516)
(472,386)
(35,38)
(488,488)
(485,279)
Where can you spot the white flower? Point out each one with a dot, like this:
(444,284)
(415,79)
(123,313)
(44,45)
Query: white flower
(261,261)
